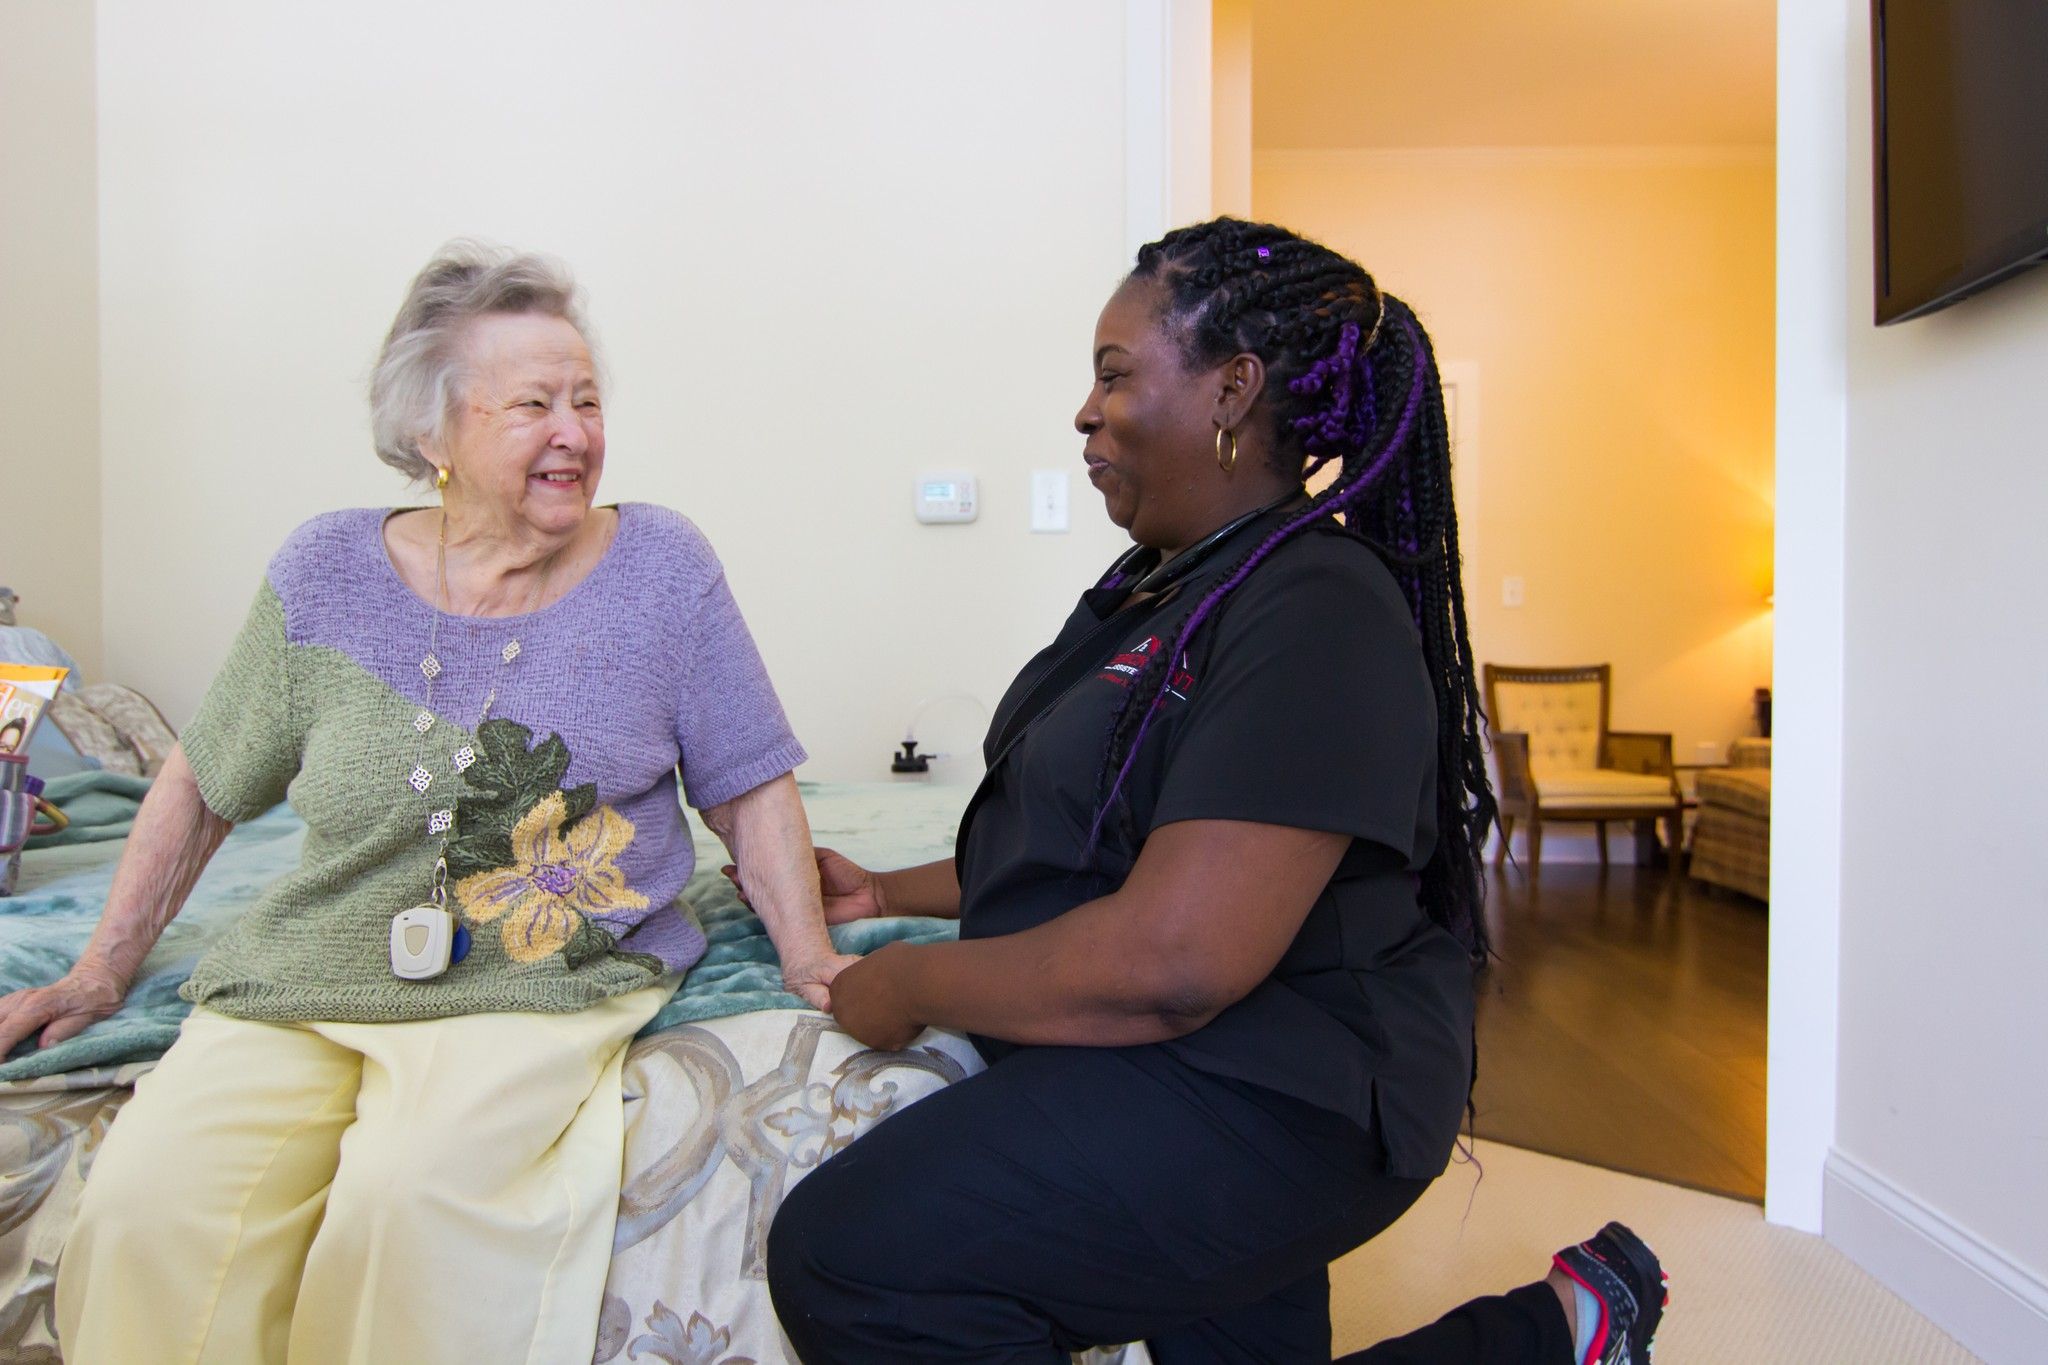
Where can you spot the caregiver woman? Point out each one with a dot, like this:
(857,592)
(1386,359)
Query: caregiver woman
(390,1129)
(1219,892)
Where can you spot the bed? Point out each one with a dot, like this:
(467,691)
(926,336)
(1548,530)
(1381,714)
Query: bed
(732,1094)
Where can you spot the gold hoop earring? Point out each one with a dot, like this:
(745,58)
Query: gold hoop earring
(1226,465)
(441,478)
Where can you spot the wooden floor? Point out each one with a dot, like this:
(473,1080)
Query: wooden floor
(1623,1024)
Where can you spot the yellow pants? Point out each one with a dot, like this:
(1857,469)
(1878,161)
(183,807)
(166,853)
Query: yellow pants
(421,1193)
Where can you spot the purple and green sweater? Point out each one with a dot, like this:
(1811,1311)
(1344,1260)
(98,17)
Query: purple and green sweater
(569,846)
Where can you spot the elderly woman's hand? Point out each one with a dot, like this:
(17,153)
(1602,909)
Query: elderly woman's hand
(869,1000)
(812,978)
(60,1010)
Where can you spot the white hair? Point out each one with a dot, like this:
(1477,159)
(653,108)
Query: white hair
(418,380)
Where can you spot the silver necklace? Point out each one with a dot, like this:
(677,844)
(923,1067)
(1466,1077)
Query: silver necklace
(425,940)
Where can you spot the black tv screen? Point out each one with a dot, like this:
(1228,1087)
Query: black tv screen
(1961,104)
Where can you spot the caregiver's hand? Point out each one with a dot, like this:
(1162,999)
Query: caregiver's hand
(60,1010)
(869,1000)
(850,891)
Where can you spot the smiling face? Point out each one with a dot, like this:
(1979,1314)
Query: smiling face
(1151,425)
(525,445)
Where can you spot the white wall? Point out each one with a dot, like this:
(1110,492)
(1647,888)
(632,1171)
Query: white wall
(1940,1173)
(1813,292)
(825,246)
(49,339)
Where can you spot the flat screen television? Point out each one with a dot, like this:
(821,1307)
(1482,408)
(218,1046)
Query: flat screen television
(1960,89)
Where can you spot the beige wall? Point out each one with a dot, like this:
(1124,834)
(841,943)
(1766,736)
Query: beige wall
(821,256)
(49,328)
(1607,316)
(1230,108)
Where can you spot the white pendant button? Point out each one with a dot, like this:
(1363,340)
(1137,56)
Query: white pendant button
(421,940)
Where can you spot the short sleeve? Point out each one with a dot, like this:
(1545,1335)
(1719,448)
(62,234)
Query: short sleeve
(1313,708)
(245,743)
(730,725)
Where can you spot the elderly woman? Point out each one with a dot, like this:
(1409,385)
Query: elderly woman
(390,1129)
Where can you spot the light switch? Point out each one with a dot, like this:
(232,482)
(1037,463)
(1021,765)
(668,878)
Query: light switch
(1048,500)
(1511,591)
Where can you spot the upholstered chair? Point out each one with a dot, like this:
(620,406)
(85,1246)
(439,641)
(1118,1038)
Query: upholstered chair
(1557,760)
(1731,844)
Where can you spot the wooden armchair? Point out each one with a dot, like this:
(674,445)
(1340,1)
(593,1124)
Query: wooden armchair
(1558,761)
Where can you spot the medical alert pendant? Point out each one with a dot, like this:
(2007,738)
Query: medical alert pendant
(425,940)
(422,940)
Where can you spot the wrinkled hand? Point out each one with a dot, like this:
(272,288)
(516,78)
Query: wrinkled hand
(60,1010)
(812,979)
(868,1001)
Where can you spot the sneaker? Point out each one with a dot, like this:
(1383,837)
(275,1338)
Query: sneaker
(1623,1274)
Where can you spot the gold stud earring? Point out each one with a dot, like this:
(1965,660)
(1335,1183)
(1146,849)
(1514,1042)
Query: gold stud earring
(441,478)
(1226,465)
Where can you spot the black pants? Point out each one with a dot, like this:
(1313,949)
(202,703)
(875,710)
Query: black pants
(1075,1197)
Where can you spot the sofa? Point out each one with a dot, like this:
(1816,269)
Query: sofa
(1731,842)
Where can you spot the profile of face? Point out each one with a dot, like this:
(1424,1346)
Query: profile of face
(526,441)
(1151,423)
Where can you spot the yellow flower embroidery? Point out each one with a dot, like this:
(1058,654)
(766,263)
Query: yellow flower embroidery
(555,881)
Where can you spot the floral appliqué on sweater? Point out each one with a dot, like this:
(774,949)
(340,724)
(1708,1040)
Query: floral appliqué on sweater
(538,860)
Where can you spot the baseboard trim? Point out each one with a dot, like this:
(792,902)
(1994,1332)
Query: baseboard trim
(1971,1290)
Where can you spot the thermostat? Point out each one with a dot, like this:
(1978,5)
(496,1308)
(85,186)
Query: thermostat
(945,496)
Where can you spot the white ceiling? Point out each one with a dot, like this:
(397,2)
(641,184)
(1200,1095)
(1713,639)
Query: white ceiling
(1508,73)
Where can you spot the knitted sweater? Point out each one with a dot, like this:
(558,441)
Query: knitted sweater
(568,845)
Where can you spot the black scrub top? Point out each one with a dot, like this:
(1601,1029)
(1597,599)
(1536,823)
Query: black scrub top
(1305,703)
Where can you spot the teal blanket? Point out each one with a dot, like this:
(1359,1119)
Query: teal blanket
(99,805)
(43,928)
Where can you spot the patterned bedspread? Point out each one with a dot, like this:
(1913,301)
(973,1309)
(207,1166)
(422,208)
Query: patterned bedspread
(732,1094)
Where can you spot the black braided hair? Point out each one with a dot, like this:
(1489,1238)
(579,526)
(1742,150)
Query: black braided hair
(1334,346)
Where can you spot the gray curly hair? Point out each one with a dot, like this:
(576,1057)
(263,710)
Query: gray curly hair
(418,379)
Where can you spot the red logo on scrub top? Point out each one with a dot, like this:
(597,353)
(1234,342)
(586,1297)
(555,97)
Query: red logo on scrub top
(1125,667)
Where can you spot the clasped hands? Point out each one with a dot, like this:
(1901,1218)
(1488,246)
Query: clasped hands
(865,994)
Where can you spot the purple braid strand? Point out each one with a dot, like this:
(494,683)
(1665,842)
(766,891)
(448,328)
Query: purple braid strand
(1345,419)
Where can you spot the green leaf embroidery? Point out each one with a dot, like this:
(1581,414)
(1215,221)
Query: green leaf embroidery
(506,781)
(586,944)
(646,962)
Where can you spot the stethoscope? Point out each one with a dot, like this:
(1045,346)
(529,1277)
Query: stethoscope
(1161,577)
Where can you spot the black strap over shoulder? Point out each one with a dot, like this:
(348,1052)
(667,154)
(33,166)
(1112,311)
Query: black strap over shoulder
(1088,653)
(1091,653)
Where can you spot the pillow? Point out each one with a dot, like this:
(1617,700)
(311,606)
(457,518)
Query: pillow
(92,735)
(27,645)
(50,754)
(135,718)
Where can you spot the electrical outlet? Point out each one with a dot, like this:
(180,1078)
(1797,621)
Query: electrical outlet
(1511,591)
